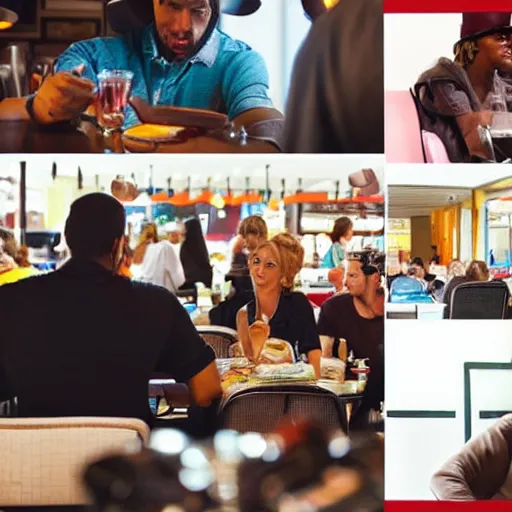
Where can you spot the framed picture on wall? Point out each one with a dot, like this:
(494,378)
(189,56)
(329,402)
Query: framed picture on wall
(73,5)
(68,30)
(29,22)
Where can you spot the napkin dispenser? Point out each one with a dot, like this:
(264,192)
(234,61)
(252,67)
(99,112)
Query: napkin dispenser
(13,71)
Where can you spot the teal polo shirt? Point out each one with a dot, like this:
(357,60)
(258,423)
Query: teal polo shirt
(226,75)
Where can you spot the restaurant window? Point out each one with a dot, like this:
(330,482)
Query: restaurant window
(499,231)
(466,230)
(398,244)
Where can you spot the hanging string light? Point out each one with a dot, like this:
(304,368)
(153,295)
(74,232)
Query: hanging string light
(80,179)
(54,171)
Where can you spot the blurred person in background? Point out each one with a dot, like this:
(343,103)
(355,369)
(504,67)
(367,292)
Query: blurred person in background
(14,264)
(93,346)
(336,277)
(455,269)
(336,99)
(358,317)
(342,233)
(148,235)
(476,271)
(195,258)
(160,265)
(127,261)
(251,232)
(274,266)
(174,235)
(418,270)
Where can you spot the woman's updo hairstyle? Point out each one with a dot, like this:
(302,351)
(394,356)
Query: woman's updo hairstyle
(289,254)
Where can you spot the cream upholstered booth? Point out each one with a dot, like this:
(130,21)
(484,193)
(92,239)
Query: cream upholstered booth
(42,459)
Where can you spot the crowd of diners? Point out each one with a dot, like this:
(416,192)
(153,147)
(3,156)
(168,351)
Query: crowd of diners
(85,339)
(180,58)
(441,286)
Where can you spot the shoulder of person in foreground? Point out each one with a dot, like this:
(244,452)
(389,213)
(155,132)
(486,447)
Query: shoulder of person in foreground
(344,50)
(96,52)
(479,469)
(184,354)
(245,82)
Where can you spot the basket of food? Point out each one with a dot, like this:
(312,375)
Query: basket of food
(287,372)
(332,369)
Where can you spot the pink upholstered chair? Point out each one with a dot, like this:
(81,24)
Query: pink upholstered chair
(405,142)
(43,458)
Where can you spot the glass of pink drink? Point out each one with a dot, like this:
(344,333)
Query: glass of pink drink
(114,87)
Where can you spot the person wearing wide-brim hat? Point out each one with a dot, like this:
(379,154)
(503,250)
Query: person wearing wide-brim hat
(456,96)
(179,57)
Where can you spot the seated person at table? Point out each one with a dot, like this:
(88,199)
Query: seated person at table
(288,314)
(476,271)
(358,317)
(95,338)
(251,232)
(179,59)
(14,264)
(457,96)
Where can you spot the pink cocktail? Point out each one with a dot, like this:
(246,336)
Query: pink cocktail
(114,87)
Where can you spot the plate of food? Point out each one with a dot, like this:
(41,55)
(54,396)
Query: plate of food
(276,351)
(284,372)
(235,376)
(178,116)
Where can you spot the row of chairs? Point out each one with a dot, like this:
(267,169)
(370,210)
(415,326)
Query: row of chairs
(43,458)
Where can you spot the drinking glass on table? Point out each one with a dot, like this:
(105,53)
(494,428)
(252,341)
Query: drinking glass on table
(114,87)
(498,103)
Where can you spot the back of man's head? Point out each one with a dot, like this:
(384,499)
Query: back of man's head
(95,221)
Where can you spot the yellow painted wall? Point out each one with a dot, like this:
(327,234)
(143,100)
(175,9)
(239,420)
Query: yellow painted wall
(60,196)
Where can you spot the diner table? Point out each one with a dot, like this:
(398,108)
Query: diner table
(27,137)
(415,311)
(176,394)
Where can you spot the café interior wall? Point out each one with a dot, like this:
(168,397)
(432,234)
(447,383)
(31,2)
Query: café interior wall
(413,43)
(59,197)
(276,31)
(428,376)
(420,238)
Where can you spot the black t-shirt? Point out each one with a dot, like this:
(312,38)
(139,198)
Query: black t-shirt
(365,337)
(82,342)
(293,321)
(336,98)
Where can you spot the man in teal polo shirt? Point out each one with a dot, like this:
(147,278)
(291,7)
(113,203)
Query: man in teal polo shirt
(180,58)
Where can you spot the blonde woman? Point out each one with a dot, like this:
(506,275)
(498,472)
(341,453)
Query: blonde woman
(476,271)
(277,311)
(14,264)
(149,235)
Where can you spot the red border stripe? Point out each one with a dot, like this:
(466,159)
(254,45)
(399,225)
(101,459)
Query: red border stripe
(403,6)
(447,506)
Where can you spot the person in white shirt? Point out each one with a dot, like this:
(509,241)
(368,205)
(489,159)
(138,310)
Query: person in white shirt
(162,266)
